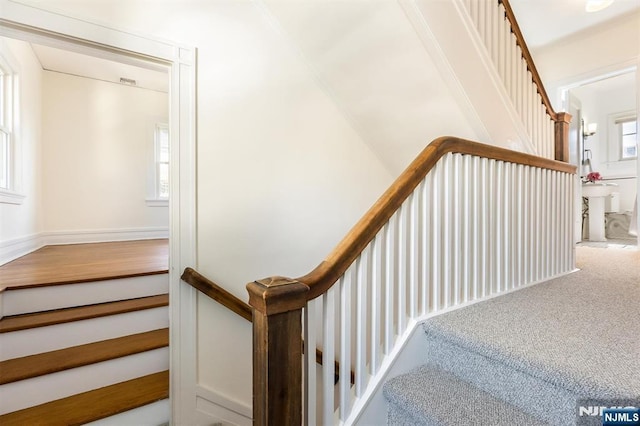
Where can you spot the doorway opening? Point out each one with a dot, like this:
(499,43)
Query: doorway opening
(33,25)
(604,143)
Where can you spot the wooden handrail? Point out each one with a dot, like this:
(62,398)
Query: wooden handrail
(228,300)
(335,265)
(217,293)
(526,54)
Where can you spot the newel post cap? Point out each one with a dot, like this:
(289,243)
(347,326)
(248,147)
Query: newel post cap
(563,117)
(276,295)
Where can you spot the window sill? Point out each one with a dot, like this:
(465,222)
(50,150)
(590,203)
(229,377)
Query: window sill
(10,197)
(157,202)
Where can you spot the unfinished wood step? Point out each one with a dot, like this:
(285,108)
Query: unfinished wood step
(27,367)
(94,405)
(60,316)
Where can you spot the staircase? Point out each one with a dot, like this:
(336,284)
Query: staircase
(528,358)
(81,352)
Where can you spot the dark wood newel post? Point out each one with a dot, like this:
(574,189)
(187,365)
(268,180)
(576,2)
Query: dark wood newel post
(563,119)
(277,350)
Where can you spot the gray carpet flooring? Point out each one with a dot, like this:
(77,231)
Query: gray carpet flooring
(545,347)
(412,403)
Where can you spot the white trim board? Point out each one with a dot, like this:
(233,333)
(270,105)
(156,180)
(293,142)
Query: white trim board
(33,23)
(213,407)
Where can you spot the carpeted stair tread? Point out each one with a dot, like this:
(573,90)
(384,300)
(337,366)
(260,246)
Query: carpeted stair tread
(59,316)
(565,332)
(430,396)
(93,405)
(27,367)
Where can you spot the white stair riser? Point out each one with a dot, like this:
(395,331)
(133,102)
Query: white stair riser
(38,390)
(44,339)
(38,299)
(155,414)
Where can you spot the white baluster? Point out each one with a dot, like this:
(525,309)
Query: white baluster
(328,355)
(485,242)
(374,282)
(524,81)
(446,227)
(345,345)
(387,277)
(310,401)
(476,227)
(400,269)
(436,229)
(498,254)
(454,242)
(467,218)
(519,239)
(412,255)
(361,325)
(426,249)
(481,23)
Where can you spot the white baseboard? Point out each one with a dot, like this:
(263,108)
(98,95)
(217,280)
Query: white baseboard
(103,235)
(17,247)
(215,408)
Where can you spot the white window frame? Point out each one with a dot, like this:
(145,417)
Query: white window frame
(615,165)
(619,123)
(10,101)
(155,198)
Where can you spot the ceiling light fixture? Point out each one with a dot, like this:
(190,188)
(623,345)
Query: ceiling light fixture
(597,5)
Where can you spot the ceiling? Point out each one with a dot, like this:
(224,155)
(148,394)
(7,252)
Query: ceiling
(153,78)
(544,22)
(561,18)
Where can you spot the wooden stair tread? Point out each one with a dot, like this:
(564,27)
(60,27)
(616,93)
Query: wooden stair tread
(59,316)
(77,263)
(27,367)
(93,405)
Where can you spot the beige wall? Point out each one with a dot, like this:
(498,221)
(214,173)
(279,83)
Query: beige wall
(97,145)
(19,221)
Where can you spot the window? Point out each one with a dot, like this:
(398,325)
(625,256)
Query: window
(162,161)
(6,126)
(627,132)
(9,148)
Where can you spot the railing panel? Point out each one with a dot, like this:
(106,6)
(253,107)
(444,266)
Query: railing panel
(507,50)
(469,228)
(474,227)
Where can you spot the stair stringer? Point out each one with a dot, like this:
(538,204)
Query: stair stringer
(406,355)
(452,40)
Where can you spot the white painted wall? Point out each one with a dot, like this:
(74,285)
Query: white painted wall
(606,48)
(23,220)
(97,141)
